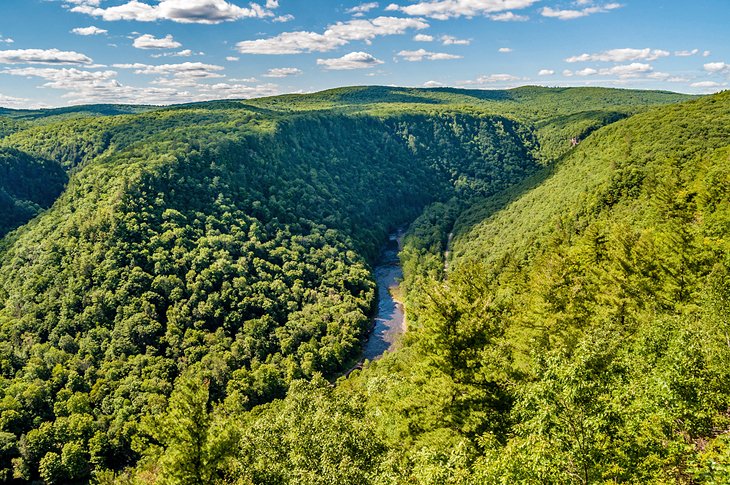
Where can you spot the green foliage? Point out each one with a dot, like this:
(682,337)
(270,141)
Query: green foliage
(607,278)
(205,261)
(189,442)
(314,436)
(27,186)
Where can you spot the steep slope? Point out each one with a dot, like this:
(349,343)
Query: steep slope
(27,185)
(581,334)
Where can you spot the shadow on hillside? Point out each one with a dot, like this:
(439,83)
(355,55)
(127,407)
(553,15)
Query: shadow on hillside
(477,210)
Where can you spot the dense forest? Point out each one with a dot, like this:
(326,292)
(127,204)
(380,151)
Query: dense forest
(181,287)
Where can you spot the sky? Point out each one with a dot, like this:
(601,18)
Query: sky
(69,52)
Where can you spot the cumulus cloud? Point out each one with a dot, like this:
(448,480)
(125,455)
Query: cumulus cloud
(182,53)
(13,102)
(234,91)
(621,55)
(182,11)
(85,86)
(283,72)
(6,40)
(445,9)
(83,2)
(284,18)
(91,30)
(707,84)
(546,72)
(627,70)
(432,84)
(353,60)
(65,78)
(42,56)
(421,54)
(717,67)
(623,71)
(492,79)
(570,14)
(184,69)
(451,40)
(361,9)
(148,41)
(334,36)
(665,76)
(504,50)
(686,53)
(509,17)
(423,38)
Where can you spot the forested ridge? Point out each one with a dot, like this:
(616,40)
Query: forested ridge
(190,277)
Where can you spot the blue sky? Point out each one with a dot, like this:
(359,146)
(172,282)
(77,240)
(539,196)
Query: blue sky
(63,52)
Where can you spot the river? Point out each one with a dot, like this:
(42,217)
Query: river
(389,322)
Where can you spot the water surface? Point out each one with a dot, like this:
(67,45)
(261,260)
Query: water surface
(389,321)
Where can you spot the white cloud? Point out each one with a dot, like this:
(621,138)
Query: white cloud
(284,18)
(272,4)
(509,17)
(6,40)
(83,86)
(546,72)
(432,84)
(568,73)
(445,9)
(232,58)
(423,38)
(493,79)
(64,78)
(504,50)
(621,55)
(353,60)
(665,76)
(13,102)
(91,30)
(283,72)
(83,2)
(451,40)
(706,54)
(291,43)
(362,8)
(334,36)
(42,56)
(182,11)
(570,14)
(148,41)
(717,67)
(421,54)
(234,91)
(196,70)
(686,53)
(707,84)
(182,53)
(624,71)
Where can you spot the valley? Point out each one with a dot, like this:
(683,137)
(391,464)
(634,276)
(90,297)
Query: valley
(180,286)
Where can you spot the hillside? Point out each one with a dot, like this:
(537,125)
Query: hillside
(581,333)
(205,265)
